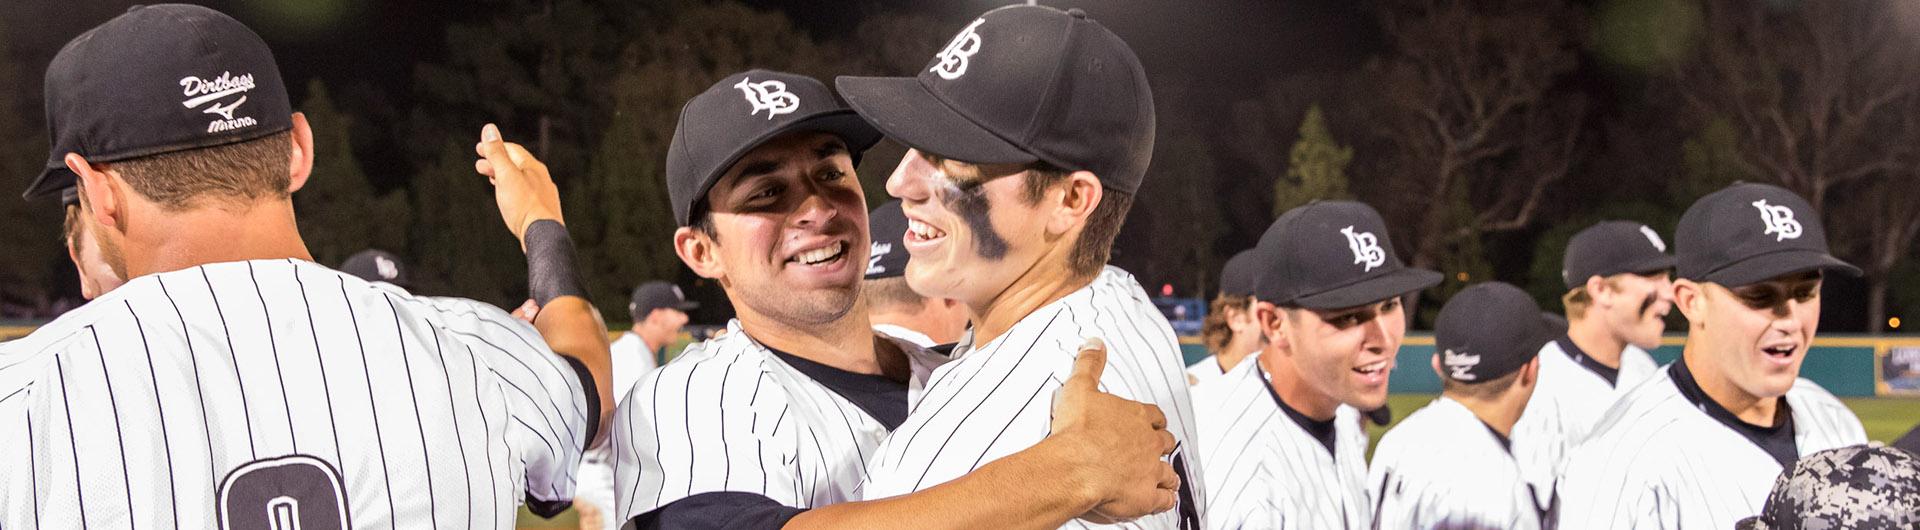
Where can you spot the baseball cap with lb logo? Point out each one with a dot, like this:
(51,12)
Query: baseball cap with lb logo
(1613,247)
(1023,84)
(1238,275)
(1749,233)
(1488,330)
(1332,255)
(739,113)
(158,79)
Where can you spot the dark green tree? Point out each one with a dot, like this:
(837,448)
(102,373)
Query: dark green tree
(1316,166)
(340,212)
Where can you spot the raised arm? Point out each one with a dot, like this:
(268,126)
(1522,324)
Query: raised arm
(530,205)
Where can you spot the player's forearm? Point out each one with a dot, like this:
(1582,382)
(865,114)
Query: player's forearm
(1037,488)
(572,328)
(567,321)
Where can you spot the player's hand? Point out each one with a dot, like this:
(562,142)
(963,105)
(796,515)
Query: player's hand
(527,311)
(521,186)
(1118,444)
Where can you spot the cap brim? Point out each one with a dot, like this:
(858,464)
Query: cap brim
(1371,290)
(687,306)
(49,183)
(906,111)
(1771,265)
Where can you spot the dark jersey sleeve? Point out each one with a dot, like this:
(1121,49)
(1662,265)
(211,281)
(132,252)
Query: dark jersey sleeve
(716,511)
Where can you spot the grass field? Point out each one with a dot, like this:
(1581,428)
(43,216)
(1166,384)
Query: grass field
(1886,419)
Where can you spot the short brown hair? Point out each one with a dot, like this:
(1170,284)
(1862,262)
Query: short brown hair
(71,231)
(250,170)
(1482,390)
(1578,300)
(1103,225)
(892,294)
(1214,330)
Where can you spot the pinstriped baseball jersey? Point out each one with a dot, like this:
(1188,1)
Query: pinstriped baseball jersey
(996,399)
(1657,460)
(269,393)
(729,415)
(1444,468)
(1265,470)
(1573,393)
(1204,370)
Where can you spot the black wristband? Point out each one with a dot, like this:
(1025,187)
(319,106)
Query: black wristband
(550,270)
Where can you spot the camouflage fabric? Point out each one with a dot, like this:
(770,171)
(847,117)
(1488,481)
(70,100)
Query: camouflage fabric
(1862,487)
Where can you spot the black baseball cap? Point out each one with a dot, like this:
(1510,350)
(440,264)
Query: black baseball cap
(1023,84)
(1332,255)
(888,256)
(377,265)
(657,295)
(741,112)
(1489,330)
(1613,247)
(1240,273)
(158,79)
(1748,233)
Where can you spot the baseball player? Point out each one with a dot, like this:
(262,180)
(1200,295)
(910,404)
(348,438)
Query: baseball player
(1230,332)
(1450,464)
(1618,296)
(892,306)
(232,382)
(1286,448)
(1698,445)
(96,276)
(1036,125)
(771,424)
(378,266)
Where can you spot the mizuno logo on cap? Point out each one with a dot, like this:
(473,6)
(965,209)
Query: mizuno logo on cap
(771,96)
(954,58)
(1366,248)
(1779,221)
(209,92)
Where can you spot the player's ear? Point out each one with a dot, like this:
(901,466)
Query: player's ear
(1083,194)
(1530,374)
(1691,298)
(697,251)
(300,159)
(101,190)
(1435,362)
(1596,288)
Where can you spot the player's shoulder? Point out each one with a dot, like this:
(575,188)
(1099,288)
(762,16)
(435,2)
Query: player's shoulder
(1645,411)
(1806,391)
(111,310)
(730,355)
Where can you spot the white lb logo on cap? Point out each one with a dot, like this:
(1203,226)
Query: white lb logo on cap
(1653,237)
(1779,220)
(953,59)
(771,96)
(1458,363)
(1366,248)
(387,268)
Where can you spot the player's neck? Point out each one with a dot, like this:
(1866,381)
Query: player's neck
(1294,390)
(847,343)
(652,336)
(1237,349)
(1752,409)
(169,241)
(1048,280)
(1497,413)
(1598,342)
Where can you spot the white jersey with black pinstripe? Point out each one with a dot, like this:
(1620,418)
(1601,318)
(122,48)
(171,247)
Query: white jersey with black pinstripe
(1266,471)
(730,415)
(1442,467)
(1657,461)
(1573,393)
(996,398)
(282,394)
